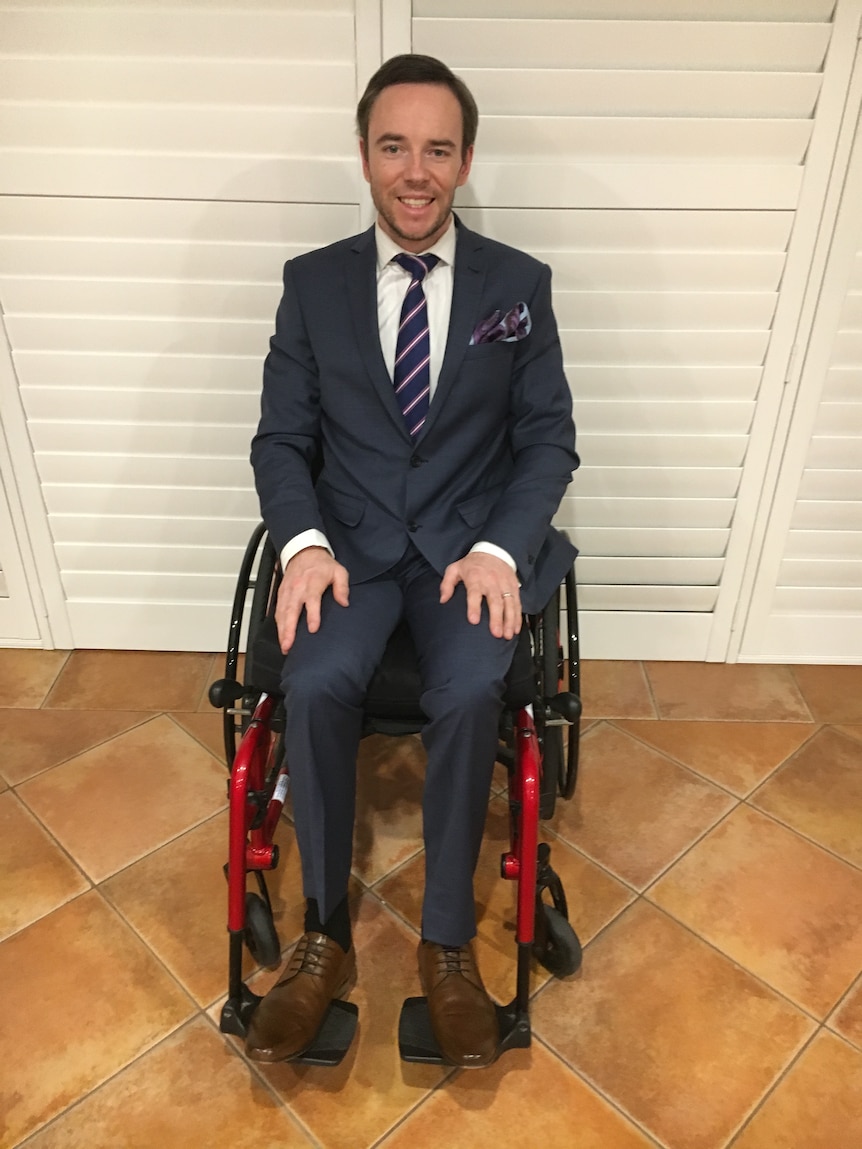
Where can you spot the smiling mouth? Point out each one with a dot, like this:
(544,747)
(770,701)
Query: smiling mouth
(415,201)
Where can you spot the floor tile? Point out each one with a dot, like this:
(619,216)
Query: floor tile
(36,740)
(357,1102)
(176,899)
(390,775)
(89,997)
(187,1091)
(736,755)
(526,1099)
(130,680)
(35,875)
(208,729)
(714,691)
(817,1106)
(594,899)
(847,1018)
(145,787)
(833,693)
(634,810)
(685,1041)
(819,792)
(775,903)
(611,689)
(26,676)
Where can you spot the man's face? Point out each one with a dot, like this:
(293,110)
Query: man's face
(413,161)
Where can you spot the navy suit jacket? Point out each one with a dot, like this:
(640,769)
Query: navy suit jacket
(493,459)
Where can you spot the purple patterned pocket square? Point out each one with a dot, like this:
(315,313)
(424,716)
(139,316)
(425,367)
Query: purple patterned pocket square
(514,325)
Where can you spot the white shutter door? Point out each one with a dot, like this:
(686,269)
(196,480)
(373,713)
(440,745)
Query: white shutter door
(657,157)
(807,602)
(18,625)
(158,163)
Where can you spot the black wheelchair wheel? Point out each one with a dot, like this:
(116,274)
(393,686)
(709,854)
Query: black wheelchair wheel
(262,583)
(549,673)
(556,944)
(568,775)
(260,934)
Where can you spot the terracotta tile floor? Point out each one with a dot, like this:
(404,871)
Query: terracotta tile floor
(711,857)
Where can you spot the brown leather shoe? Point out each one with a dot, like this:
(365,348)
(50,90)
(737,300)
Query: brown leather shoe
(285,1022)
(463,1017)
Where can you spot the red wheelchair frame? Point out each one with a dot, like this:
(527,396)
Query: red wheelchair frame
(539,767)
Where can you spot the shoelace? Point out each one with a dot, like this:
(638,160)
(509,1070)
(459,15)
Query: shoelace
(310,959)
(454,961)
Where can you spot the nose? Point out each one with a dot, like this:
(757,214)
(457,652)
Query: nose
(415,171)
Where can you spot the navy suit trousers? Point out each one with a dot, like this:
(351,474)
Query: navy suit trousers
(326,676)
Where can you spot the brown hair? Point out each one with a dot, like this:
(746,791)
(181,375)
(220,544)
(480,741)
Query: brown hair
(415,69)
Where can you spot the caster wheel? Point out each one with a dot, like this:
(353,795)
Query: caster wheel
(260,935)
(556,947)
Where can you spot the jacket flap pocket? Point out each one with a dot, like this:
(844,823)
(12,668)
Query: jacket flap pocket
(348,509)
(476,509)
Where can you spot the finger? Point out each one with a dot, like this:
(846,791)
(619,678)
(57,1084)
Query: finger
(474,603)
(511,615)
(451,578)
(341,586)
(286,620)
(495,615)
(312,611)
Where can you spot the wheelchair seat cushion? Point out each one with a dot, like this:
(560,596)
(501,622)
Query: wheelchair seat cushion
(395,688)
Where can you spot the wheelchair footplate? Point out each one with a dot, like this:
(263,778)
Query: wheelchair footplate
(416,1040)
(330,1044)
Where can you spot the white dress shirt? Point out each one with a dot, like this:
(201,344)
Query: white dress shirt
(392,284)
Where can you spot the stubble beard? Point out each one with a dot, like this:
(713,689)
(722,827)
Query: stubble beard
(389,217)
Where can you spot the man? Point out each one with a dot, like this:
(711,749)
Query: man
(415,441)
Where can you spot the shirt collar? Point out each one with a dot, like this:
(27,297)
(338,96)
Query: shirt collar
(444,248)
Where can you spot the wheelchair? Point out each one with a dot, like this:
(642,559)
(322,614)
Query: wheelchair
(542,701)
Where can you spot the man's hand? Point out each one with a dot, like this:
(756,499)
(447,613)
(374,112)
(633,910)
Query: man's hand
(306,577)
(486,577)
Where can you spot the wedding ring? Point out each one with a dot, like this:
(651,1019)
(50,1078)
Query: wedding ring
(507,595)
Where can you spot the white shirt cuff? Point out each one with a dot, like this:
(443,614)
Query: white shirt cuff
(498,552)
(310,538)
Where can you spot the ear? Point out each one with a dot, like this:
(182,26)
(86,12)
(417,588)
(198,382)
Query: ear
(466,164)
(363,154)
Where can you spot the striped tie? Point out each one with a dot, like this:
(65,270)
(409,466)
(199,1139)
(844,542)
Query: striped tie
(412,376)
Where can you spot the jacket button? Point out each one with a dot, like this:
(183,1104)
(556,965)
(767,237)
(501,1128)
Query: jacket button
(416,461)
(412,526)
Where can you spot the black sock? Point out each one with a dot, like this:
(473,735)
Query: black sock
(336,926)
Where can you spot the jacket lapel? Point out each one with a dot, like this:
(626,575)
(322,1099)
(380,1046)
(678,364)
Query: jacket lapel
(467,290)
(361,278)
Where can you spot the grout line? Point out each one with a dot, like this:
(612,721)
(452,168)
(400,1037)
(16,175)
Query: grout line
(650,689)
(449,1074)
(594,1087)
(60,669)
(707,777)
(735,962)
(147,717)
(771,1089)
(803,835)
(235,1050)
(41,1129)
(855,985)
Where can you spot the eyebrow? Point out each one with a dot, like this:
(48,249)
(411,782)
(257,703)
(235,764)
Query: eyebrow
(395,138)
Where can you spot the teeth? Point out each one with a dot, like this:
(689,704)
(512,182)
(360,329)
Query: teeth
(415,202)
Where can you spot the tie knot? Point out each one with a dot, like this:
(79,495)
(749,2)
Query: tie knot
(417,265)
